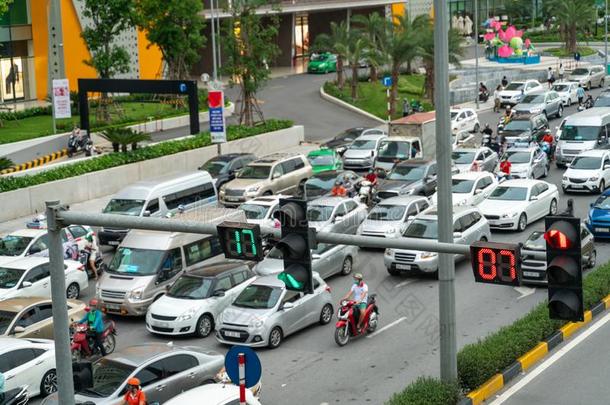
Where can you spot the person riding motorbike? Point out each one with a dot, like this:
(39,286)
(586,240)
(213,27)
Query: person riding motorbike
(94,319)
(550,140)
(509,113)
(487,131)
(134,394)
(371,177)
(483,92)
(338,190)
(360,293)
(93,250)
(505,166)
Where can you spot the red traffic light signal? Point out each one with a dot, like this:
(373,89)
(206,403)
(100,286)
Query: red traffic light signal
(557,239)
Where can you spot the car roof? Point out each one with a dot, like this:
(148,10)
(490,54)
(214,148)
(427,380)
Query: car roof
(267,200)
(415,162)
(25,263)
(8,343)
(329,201)
(230,156)
(402,200)
(321,152)
(138,354)
(471,175)
(458,109)
(28,233)
(594,116)
(594,152)
(432,212)
(520,183)
(215,269)
(274,157)
(521,149)
(401,138)
(470,149)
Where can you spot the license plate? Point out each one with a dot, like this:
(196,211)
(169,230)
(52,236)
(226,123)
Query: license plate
(531,274)
(232,198)
(492,222)
(161,324)
(577,186)
(114,307)
(602,229)
(232,334)
(113,243)
(403,266)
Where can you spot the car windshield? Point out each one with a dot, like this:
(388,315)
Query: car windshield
(6,318)
(320,182)
(462,186)
(215,166)
(462,157)
(363,145)
(322,160)
(136,262)
(395,149)
(124,207)
(407,173)
(602,101)
(319,213)
(9,277)
(517,157)
(509,193)
(586,163)
(514,86)
(12,245)
(561,87)
(254,172)
(258,297)
(423,229)
(602,203)
(532,99)
(254,211)
(387,212)
(535,242)
(108,376)
(579,133)
(320,57)
(580,72)
(191,288)
(453,115)
(518,125)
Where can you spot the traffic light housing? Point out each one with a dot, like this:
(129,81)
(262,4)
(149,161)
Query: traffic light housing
(295,245)
(564,268)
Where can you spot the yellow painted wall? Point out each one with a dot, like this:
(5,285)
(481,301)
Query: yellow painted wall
(150,58)
(75,49)
(40,37)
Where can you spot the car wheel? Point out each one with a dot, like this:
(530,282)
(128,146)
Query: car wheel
(346,268)
(275,338)
(560,165)
(205,326)
(601,83)
(48,384)
(602,186)
(73,291)
(592,259)
(268,192)
(553,207)
(569,101)
(560,112)
(522,224)
(109,343)
(326,314)
(476,128)
(546,171)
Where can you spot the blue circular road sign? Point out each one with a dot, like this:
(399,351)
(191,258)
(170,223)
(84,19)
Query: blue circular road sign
(254,369)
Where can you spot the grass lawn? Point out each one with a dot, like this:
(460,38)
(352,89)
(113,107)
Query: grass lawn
(563,53)
(372,96)
(42,125)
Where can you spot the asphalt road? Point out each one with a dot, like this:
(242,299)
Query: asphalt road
(309,368)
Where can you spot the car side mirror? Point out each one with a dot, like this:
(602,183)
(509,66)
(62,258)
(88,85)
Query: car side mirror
(35,249)
(534,198)
(372,153)
(457,234)
(478,191)
(591,205)
(26,284)
(219,293)
(18,329)
(338,219)
(606,166)
(146,213)
(287,305)
(568,165)
(276,176)
(315,256)
(381,174)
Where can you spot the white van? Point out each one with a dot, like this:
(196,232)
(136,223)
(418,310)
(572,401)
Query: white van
(586,130)
(157,198)
(146,263)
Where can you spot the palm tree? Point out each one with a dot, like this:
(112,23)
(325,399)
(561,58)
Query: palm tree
(372,26)
(121,137)
(412,29)
(338,43)
(357,44)
(572,16)
(5,163)
(426,52)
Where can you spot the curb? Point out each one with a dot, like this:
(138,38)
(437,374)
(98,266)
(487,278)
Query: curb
(531,358)
(348,106)
(36,162)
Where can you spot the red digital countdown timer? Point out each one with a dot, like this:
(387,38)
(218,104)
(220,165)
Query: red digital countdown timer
(496,263)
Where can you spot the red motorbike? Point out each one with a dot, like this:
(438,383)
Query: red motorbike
(347,324)
(83,340)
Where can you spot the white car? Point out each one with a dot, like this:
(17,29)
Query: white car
(513,93)
(464,119)
(28,362)
(462,139)
(34,242)
(567,92)
(31,277)
(470,188)
(336,214)
(529,162)
(194,301)
(514,204)
(589,171)
(260,210)
(465,158)
(214,394)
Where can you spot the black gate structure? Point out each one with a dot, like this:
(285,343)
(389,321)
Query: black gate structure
(180,87)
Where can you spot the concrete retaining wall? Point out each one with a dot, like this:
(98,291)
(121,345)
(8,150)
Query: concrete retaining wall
(31,200)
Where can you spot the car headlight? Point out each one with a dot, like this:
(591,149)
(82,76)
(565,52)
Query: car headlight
(253,189)
(389,252)
(136,294)
(185,316)
(391,230)
(460,203)
(256,323)
(510,215)
(564,178)
(220,317)
(428,255)
(594,178)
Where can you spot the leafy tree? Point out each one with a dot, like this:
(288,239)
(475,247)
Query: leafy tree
(4,6)
(572,16)
(122,136)
(372,26)
(336,42)
(5,163)
(175,26)
(356,47)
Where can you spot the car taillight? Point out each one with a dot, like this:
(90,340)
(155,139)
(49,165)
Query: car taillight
(327,288)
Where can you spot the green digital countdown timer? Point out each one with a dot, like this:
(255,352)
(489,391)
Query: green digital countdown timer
(241,240)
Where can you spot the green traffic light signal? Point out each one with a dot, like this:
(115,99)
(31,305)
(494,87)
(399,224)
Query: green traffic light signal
(291,282)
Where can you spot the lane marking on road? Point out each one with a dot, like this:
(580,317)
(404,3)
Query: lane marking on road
(404,283)
(524,292)
(396,322)
(550,361)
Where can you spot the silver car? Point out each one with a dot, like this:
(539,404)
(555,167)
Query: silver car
(266,312)
(390,217)
(548,103)
(589,76)
(469,226)
(362,152)
(327,260)
(527,163)
(164,371)
(336,214)
(466,159)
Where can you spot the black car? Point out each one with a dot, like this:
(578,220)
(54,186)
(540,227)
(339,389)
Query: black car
(524,128)
(411,177)
(344,139)
(322,183)
(223,167)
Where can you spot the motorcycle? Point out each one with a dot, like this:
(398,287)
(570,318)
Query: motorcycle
(77,142)
(82,342)
(347,323)
(483,95)
(16,396)
(365,193)
(83,258)
(588,103)
(416,106)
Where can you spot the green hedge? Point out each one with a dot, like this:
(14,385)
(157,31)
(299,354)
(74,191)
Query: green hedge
(563,53)
(478,362)
(427,391)
(110,160)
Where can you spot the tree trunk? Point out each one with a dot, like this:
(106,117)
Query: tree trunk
(124,148)
(394,88)
(354,81)
(409,67)
(572,39)
(115,146)
(340,72)
(373,74)
(430,81)
(134,146)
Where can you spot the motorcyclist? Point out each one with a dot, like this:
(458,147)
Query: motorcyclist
(550,139)
(93,250)
(371,177)
(489,132)
(349,186)
(509,113)
(94,319)
(134,394)
(360,293)
(505,166)
(338,190)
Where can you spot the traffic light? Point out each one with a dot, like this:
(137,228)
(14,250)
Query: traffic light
(496,263)
(294,245)
(564,268)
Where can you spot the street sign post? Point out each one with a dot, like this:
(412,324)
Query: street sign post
(253,368)
(216,103)
(387,82)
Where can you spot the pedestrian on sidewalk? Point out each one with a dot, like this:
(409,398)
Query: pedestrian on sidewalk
(497,98)
(561,71)
(550,77)
(405,107)
(504,82)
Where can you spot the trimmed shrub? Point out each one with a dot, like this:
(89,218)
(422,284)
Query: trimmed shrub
(5,163)
(427,391)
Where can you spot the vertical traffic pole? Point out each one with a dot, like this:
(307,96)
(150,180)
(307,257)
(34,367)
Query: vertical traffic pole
(63,358)
(214,52)
(387,93)
(241,358)
(606,38)
(446,277)
(476,50)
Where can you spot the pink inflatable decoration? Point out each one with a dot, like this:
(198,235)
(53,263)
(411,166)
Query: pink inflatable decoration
(489,36)
(510,33)
(505,51)
(519,33)
(527,43)
(496,25)
(502,35)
